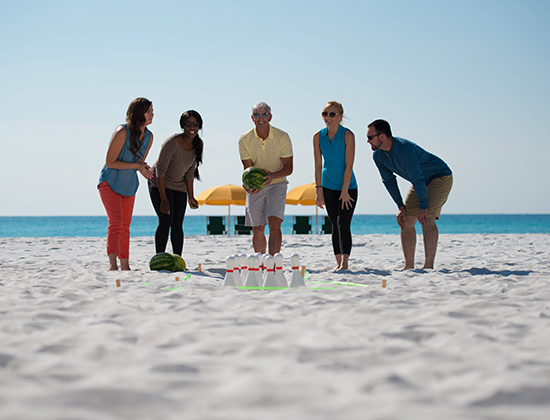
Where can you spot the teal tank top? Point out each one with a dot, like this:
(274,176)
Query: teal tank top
(334,160)
(125,181)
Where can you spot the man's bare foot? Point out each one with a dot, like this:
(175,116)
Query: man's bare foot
(407,268)
(111,268)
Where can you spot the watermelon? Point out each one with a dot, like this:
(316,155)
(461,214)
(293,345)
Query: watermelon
(162,261)
(253,178)
(179,263)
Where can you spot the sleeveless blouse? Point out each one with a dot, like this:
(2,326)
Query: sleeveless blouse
(125,181)
(334,160)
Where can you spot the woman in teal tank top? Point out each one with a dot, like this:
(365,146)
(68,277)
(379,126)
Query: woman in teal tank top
(335,184)
(118,181)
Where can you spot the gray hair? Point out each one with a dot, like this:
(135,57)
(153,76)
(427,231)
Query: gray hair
(260,105)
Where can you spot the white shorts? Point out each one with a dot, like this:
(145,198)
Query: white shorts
(270,202)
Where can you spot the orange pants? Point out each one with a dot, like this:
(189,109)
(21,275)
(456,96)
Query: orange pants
(119,213)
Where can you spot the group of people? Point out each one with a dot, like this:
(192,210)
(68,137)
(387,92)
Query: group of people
(171,178)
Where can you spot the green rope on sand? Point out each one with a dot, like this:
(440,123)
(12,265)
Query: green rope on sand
(342,283)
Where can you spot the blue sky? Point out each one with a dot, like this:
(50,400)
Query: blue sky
(466,80)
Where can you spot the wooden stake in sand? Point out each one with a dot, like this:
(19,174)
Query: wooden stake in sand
(200,267)
(384,283)
(177,278)
(303,270)
(117,283)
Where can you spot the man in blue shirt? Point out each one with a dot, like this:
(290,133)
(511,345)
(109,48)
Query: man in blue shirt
(431,180)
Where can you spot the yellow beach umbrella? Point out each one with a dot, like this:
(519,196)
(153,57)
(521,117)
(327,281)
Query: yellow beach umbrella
(224,195)
(304,195)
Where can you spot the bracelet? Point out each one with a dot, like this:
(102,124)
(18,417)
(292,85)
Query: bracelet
(318,186)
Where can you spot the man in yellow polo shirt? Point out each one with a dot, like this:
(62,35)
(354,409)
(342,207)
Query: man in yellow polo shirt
(268,148)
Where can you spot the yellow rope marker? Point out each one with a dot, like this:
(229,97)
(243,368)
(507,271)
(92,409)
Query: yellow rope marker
(303,271)
(384,283)
(200,267)
(177,278)
(117,283)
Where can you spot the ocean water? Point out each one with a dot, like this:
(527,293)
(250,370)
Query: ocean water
(96,226)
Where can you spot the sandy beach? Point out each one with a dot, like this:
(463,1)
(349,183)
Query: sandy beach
(468,340)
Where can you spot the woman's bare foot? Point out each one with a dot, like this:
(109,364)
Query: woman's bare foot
(125,264)
(344,262)
(112,262)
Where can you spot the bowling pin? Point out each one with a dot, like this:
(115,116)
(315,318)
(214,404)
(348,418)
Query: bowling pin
(236,272)
(253,278)
(270,280)
(279,274)
(296,280)
(230,279)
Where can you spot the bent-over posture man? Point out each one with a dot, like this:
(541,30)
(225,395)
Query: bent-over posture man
(268,148)
(431,180)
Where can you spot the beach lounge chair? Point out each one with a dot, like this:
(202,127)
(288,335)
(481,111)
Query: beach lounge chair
(327,225)
(215,225)
(301,225)
(240,228)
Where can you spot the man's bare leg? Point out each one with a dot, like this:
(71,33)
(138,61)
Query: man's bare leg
(258,238)
(431,236)
(275,235)
(408,242)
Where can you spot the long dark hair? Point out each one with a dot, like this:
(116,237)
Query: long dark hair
(135,118)
(198,144)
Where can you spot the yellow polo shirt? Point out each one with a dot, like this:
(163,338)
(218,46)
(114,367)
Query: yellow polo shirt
(266,154)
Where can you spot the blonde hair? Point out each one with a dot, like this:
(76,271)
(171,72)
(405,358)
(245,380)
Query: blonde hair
(337,105)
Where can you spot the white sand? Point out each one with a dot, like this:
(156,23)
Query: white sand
(469,340)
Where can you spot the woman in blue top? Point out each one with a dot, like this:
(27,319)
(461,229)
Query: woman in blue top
(118,181)
(336,188)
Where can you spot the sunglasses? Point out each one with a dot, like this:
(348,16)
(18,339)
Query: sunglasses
(329,114)
(188,124)
(371,137)
(257,115)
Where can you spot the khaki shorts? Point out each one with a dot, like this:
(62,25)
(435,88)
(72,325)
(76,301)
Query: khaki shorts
(438,191)
(269,202)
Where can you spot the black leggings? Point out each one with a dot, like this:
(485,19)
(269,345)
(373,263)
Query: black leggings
(169,223)
(340,219)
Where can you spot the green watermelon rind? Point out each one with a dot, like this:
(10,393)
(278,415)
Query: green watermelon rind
(253,178)
(162,261)
(179,265)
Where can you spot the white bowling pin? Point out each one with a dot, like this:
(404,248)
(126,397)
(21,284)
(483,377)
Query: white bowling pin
(244,267)
(296,280)
(270,280)
(260,265)
(279,274)
(263,260)
(229,279)
(236,273)
(252,279)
